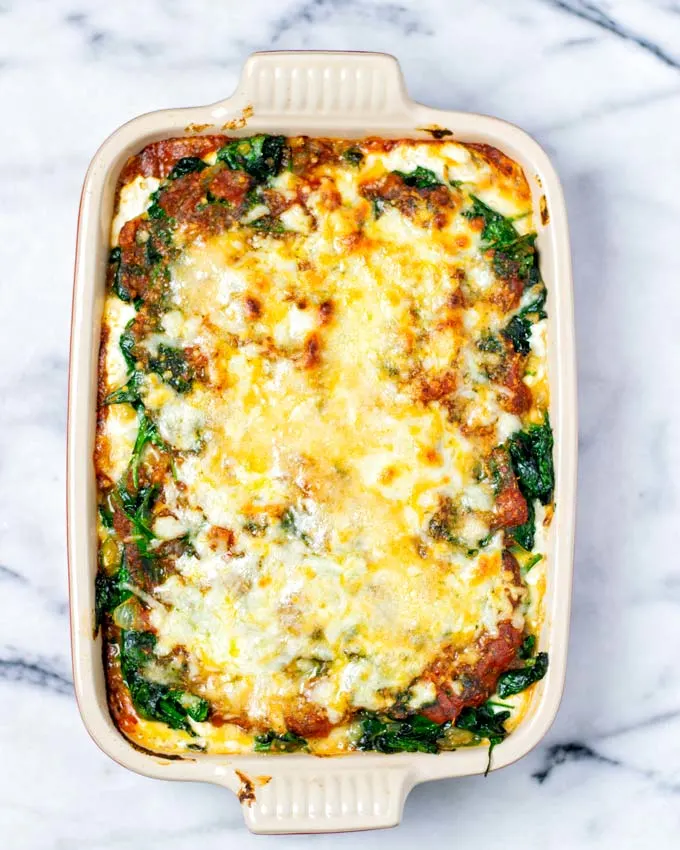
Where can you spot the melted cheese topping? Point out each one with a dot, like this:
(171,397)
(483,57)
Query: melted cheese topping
(313,450)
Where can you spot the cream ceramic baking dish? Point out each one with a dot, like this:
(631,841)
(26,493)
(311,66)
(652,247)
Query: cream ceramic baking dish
(350,95)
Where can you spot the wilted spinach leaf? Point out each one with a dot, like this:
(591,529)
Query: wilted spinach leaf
(152,700)
(490,344)
(127,346)
(484,722)
(354,156)
(137,508)
(257,526)
(156,211)
(196,707)
(531,562)
(136,650)
(526,650)
(115,259)
(106,515)
(525,534)
(291,524)
(532,461)
(127,394)
(537,306)
(153,254)
(444,523)
(260,156)
(518,331)
(173,367)
(513,254)
(267,224)
(514,681)
(518,258)
(499,231)
(420,178)
(413,734)
(146,434)
(186,165)
(378,205)
(110,591)
(271,742)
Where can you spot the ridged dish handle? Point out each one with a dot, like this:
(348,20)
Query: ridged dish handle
(303,799)
(323,83)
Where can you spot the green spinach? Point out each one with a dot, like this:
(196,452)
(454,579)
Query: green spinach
(484,542)
(257,526)
(354,156)
(532,461)
(537,306)
(499,231)
(267,224)
(271,742)
(152,700)
(110,590)
(147,434)
(484,722)
(186,165)
(513,254)
(489,344)
(411,735)
(443,522)
(443,525)
(518,331)
(172,366)
(128,394)
(531,562)
(118,285)
(519,258)
(514,681)
(106,515)
(153,254)
(155,211)
(525,534)
(137,508)
(419,178)
(260,156)
(526,650)
(290,523)
(127,346)
(379,205)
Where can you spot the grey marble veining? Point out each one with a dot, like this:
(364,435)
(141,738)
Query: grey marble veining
(598,84)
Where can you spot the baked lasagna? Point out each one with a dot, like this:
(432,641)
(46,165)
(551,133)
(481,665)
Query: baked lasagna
(323,451)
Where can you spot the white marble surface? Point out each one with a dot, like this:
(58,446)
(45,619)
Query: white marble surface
(598,84)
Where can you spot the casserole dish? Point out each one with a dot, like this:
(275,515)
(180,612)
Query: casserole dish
(344,96)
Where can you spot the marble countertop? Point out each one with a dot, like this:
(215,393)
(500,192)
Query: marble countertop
(598,84)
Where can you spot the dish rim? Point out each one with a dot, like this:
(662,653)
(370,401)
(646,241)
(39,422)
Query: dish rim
(316,93)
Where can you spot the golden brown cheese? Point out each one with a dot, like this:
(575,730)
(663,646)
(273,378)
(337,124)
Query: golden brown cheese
(305,376)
